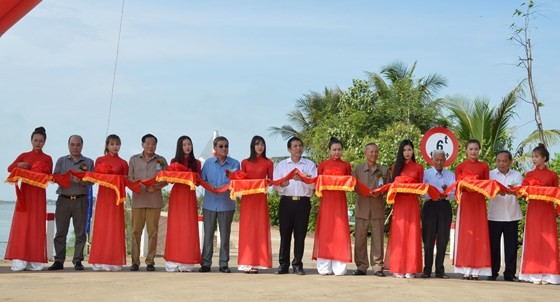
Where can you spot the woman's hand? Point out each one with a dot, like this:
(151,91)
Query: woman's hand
(24,165)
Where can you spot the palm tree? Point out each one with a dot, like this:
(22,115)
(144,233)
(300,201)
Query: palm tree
(490,125)
(310,111)
(406,98)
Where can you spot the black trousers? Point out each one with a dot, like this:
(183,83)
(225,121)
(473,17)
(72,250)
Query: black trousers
(510,232)
(293,216)
(436,224)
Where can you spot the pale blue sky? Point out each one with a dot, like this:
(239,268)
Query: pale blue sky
(191,67)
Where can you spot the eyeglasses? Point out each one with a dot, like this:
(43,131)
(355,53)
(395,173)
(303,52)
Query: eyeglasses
(223,146)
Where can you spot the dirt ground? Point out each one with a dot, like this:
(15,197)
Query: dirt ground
(70,285)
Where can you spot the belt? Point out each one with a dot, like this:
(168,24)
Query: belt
(295,197)
(72,197)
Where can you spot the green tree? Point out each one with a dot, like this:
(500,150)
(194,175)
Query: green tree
(490,125)
(406,98)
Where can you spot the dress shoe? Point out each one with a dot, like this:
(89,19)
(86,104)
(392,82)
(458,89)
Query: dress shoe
(78,266)
(204,269)
(225,269)
(134,267)
(379,274)
(492,278)
(299,271)
(359,273)
(282,271)
(56,266)
(150,268)
(425,276)
(511,278)
(442,276)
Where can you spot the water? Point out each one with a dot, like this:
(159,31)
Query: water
(6,214)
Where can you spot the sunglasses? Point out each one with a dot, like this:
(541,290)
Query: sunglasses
(223,146)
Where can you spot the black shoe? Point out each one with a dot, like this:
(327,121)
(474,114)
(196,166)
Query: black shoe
(150,268)
(442,276)
(511,278)
(204,269)
(78,266)
(282,271)
(379,274)
(134,267)
(425,276)
(299,271)
(359,273)
(56,266)
(225,269)
(492,278)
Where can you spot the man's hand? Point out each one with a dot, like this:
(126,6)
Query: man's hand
(285,183)
(74,179)
(375,194)
(297,177)
(443,196)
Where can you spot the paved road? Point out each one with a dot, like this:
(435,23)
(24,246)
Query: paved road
(69,285)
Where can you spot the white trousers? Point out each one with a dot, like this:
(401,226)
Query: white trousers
(106,267)
(171,266)
(326,266)
(552,279)
(469,271)
(20,265)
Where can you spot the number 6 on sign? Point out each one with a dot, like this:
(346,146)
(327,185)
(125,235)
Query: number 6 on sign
(439,138)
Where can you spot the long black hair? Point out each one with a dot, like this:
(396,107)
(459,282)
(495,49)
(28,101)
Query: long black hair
(257,139)
(180,155)
(400,157)
(111,137)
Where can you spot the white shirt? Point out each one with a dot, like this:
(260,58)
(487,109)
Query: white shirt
(506,207)
(295,188)
(438,180)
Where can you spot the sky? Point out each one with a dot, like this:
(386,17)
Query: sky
(238,67)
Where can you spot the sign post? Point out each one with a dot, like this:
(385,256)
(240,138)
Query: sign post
(439,138)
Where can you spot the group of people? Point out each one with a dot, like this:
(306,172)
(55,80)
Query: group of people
(478,230)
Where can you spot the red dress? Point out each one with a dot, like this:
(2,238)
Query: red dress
(108,245)
(473,240)
(332,234)
(254,223)
(540,244)
(28,234)
(405,238)
(182,243)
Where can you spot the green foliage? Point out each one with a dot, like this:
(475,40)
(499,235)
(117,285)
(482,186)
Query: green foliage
(490,125)
(388,142)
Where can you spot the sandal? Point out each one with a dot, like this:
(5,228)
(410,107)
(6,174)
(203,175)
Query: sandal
(253,271)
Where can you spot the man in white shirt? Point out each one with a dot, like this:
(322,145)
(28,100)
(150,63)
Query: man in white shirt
(504,214)
(436,216)
(295,206)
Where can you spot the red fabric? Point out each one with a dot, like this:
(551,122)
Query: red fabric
(332,233)
(404,249)
(254,223)
(473,242)
(540,244)
(11,11)
(182,243)
(27,240)
(334,182)
(108,244)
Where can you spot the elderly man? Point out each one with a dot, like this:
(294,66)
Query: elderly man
(72,203)
(504,214)
(295,206)
(370,210)
(217,206)
(436,216)
(146,206)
